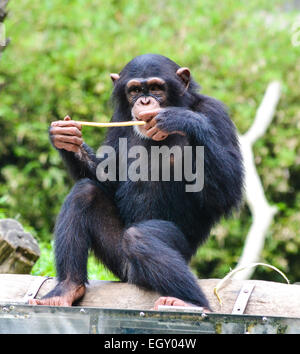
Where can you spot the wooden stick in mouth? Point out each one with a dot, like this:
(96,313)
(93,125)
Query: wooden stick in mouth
(112,124)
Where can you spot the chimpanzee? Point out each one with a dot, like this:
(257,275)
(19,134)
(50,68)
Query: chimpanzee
(146,231)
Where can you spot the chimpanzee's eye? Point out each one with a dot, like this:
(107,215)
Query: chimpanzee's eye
(135,89)
(155,88)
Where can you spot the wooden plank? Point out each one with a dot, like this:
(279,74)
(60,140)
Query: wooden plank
(267,298)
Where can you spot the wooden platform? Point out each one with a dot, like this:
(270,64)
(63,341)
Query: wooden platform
(267,298)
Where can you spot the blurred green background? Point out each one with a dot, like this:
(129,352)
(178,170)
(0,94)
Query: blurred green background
(58,63)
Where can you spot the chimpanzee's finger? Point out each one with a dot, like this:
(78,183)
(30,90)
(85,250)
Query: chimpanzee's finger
(66,146)
(159,136)
(65,131)
(66,123)
(152,131)
(68,139)
(147,115)
(150,124)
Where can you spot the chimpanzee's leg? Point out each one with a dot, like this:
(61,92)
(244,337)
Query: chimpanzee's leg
(152,254)
(88,219)
(157,255)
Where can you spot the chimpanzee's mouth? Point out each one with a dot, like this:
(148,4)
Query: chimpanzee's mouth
(134,117)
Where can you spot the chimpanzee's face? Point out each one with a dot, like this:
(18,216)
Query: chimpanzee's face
(150,83)
(154,87)
(145,94)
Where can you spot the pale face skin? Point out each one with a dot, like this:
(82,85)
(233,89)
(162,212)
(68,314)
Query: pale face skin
(147,96)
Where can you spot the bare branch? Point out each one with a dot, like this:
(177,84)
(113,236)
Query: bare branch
(262,212)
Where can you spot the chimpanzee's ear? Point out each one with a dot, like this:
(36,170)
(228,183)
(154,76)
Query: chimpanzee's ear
(114,77)
(184,74)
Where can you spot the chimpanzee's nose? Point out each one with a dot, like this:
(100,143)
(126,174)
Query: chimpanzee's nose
(145,101)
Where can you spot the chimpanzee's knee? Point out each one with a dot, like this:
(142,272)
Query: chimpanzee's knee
(152,248)
(155,235)
(83,193)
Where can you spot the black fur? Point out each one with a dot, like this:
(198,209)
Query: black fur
(147,232)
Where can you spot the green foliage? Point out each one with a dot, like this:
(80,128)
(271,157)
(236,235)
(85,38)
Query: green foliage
(58,63)
(45,264)
(2,207)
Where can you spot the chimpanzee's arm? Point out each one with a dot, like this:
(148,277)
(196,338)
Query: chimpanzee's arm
(81,164)
(210,126)
(80,160)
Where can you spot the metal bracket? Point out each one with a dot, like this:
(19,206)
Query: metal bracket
(242,299)
(34,288)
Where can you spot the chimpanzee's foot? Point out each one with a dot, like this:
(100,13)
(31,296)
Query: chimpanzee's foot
(173,301)
(64,294)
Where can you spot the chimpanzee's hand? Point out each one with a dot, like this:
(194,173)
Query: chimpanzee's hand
(66,134)
(162,122)
(170,120)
